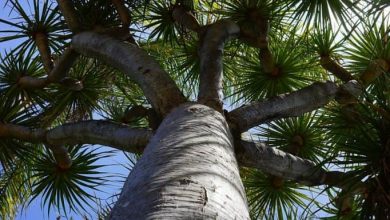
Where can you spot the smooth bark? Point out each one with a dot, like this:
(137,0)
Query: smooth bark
(187,171)
(286,105)
(211,64)
(106,133)
(21,133)
(158,87)
(281,164)
(285,165)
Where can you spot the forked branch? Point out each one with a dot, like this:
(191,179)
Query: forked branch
(57,73)
(211,64)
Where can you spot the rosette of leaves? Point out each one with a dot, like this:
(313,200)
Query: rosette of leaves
(75,103)
(364,152)
(14,159)
(68,189)
(271,197)
(301,136)
(11,149)
(159,20)
(325,43)
(334,208)
(43,18)
(294,68)
(250,15)
(368,51)
(15,66)
(320,12)
(96,14)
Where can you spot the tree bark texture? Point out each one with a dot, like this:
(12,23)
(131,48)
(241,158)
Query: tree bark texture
(188,171)
(115,135)
(211,63)
(158,87)
(280,164)
(282,106)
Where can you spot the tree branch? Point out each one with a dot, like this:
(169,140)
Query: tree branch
(22,133)
(61,155)
(286,105)
(42,42)
(106,133)
(58,73)
(185,18)
(337,70)
(211,65)
(281,164)
(63,65)
(70,15)
(123,12)
(257,36)
(375,69)
(158,87)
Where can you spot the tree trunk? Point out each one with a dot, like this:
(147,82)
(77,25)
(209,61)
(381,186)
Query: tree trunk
(187,171)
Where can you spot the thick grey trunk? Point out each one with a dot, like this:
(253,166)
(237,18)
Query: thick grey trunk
(188,171)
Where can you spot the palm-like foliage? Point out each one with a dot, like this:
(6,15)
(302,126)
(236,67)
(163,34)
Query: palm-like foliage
(369,44)
(271,197)
(325,42)
(44,19)
(319,12)
(15,66)
(160,21)
(96,14)
(300,136)
(12,150)
(78,103)
(67,189)
(351,137)
(294,69)
(15,188)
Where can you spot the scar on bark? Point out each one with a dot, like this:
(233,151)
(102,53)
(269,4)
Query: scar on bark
(204,197)
(185,182)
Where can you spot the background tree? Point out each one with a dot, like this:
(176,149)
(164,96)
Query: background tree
(311,79)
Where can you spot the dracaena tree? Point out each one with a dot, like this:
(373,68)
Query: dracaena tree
(235,109)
